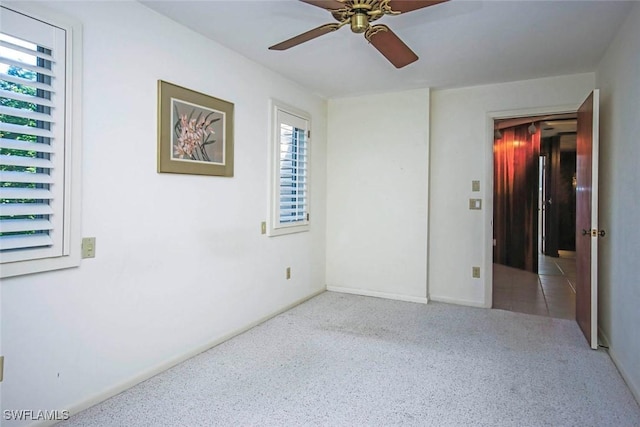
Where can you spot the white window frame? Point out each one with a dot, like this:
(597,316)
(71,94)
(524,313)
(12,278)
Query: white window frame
(69,255)
(274,227)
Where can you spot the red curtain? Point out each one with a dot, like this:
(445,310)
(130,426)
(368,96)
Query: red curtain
(515,208)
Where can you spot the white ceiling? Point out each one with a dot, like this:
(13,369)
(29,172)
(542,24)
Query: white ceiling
(460,43)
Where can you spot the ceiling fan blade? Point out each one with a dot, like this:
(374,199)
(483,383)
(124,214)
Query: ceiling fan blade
(390,45)
(404,6)
(305,37)
(325,4)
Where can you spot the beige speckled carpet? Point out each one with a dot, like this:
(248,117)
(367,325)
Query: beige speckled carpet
(345,360)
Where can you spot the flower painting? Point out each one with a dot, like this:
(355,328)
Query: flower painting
(195,132)
(198,133)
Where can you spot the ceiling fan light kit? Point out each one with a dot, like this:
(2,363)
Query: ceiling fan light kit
(359,14)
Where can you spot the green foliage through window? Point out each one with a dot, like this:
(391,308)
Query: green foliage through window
(25,89)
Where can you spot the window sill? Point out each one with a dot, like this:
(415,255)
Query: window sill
(283,231)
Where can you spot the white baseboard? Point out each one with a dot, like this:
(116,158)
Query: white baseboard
(603,339)
(635,388)
(155,370)
(376,294)
(458,301)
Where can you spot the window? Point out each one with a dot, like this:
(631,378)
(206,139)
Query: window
(39,152)
(289,210)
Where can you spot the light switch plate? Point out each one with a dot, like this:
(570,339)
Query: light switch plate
(88,247)
(475,204)
(475,185)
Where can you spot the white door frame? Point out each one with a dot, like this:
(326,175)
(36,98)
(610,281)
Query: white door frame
(487,253)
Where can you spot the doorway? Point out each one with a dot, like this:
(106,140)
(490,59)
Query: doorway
(534,215)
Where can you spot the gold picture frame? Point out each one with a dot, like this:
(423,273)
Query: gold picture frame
(195,132)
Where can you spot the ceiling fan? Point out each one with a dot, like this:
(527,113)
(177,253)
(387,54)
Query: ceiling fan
(360,14)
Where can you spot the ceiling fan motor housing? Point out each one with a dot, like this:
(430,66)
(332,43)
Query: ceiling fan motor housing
(359,21)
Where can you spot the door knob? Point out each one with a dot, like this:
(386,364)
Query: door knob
(585,232)
(601,233)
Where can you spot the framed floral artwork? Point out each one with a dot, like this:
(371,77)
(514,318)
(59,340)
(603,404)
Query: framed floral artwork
(195,132)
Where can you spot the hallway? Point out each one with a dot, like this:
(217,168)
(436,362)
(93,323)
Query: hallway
(550,293)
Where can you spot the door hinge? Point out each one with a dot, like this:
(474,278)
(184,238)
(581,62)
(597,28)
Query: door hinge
(308,134)
(1,368)
(308,216)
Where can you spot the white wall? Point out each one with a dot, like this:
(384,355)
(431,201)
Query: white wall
(180,259)
(618,77)
(461,151)
(377,169)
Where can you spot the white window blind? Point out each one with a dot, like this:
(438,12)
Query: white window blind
(32,139)
(293,174)
(290,195)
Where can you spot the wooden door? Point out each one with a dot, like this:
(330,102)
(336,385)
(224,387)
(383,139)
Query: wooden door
(587,218)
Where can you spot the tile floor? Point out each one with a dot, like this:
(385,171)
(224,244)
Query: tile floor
(550,293)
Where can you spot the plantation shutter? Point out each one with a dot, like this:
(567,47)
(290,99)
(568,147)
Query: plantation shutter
(32,138)
(293,169)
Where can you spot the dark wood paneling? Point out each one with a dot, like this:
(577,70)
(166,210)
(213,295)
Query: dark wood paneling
(567,202)
(552,179)
(516,198)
